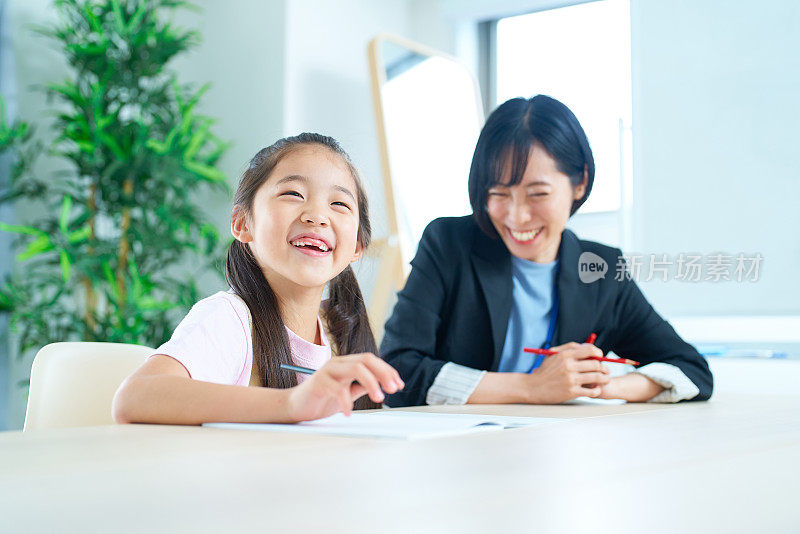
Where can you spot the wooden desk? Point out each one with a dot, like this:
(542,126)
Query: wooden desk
(728,465)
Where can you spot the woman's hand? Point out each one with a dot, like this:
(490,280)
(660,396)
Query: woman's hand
(568,374)
(632,387)
(333,388)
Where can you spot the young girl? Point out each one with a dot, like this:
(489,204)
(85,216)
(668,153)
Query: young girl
(299,218)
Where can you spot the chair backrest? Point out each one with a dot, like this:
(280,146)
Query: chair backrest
(73,384)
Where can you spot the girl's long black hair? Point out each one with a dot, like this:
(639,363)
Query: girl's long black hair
(344,312)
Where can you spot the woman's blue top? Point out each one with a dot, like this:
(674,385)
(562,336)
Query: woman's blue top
(530,313)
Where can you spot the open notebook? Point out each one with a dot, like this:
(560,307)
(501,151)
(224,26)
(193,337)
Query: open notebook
(396,424)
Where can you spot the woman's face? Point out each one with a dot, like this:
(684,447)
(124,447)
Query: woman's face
(303,227)
(531,215)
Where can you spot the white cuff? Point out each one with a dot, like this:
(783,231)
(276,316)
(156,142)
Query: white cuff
(454,384)
(678,386)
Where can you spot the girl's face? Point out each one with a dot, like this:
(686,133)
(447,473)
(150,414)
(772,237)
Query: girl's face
(304,223)
(531,215)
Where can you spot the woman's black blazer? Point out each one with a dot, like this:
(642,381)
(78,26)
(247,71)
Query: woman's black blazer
(456,304)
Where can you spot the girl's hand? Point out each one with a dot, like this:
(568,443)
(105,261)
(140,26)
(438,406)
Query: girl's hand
(568,374)
(333,388)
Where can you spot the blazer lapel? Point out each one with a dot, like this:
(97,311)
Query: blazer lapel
(576,298)
(492,264)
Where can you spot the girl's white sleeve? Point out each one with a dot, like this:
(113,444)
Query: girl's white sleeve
(213,342)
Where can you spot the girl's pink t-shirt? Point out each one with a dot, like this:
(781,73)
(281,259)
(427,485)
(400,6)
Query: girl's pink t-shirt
(215,342)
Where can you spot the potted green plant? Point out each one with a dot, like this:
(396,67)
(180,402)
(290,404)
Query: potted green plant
(121,240)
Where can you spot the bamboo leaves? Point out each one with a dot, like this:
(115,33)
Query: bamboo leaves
(10,132)
(191,136)
(61,244)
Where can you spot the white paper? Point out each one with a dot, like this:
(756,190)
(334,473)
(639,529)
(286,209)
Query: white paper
(593,400)
(395,424)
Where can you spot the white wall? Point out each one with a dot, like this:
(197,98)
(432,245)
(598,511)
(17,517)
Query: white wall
(327,85)
(8,91)
(715,94)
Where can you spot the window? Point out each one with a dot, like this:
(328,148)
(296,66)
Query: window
(581,56)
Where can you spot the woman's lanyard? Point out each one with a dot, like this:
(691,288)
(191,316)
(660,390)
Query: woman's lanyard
(551,329)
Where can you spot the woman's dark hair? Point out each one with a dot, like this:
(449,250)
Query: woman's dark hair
(344,311)
(510,132)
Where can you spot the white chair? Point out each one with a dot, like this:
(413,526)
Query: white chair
(73,384)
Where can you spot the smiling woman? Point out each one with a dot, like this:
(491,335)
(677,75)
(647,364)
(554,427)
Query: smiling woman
(484,287)
(530,213)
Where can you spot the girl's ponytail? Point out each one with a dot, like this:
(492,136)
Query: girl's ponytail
(270,341)
(346,316)
(348,325)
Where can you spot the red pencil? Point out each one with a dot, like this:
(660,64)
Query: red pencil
(542,352)
(591,339)
(613,360)
(547,352)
